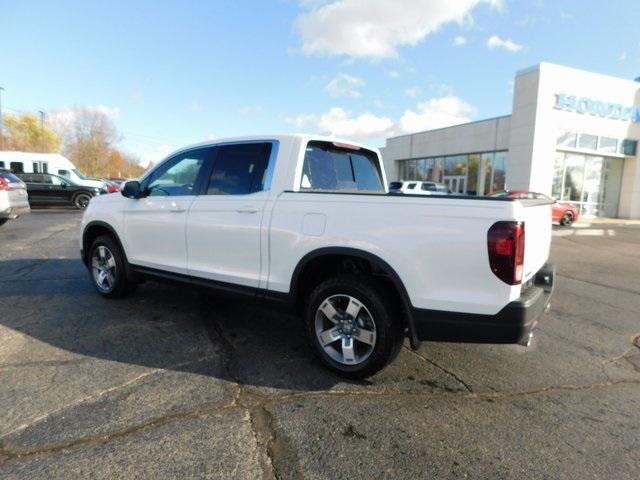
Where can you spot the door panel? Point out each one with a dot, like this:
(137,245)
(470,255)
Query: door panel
(155,231)
(155,226)
(224,226)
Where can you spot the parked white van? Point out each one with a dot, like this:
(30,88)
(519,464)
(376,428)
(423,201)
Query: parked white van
(29,162)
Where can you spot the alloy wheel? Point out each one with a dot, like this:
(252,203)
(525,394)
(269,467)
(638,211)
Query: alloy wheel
(103,268)
(345,329)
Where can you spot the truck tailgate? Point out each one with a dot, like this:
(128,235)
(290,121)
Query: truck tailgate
(536,215)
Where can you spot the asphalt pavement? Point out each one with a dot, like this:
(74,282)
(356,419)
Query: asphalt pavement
(169,383)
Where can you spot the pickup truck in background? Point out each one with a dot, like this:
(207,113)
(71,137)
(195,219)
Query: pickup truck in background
(306,222)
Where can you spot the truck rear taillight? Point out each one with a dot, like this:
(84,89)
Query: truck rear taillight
(505,241)
(4,185)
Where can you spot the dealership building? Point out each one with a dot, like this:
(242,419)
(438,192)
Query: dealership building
(572,134)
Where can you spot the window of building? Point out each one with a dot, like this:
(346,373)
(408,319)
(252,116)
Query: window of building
(328,167)
(629,147)
(177,176)
(16,167)
(473,162)
(499,171)
(567,139)
(608,144)
(588,142)
(239,169)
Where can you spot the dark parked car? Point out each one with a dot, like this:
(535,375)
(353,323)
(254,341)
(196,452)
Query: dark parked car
(48,189)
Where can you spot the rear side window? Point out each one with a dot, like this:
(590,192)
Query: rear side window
(1,164)
(16,167)
(334,168)
(411,186)
(239,169)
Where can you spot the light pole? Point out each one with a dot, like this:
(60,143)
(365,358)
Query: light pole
(1,132)
(41,130)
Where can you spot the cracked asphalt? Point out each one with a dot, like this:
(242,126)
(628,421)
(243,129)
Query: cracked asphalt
(171,384)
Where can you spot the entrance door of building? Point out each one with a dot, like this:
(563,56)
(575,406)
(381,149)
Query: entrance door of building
(592,182)
(455,183)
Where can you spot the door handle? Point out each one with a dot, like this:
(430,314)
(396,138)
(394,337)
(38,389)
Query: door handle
(247,209)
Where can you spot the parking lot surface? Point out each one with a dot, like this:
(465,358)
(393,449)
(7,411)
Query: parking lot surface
(171,384)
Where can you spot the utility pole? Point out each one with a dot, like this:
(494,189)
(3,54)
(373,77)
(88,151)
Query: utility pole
(1,131)
(41,130)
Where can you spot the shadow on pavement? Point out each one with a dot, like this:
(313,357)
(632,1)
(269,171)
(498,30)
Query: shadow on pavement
(158,326)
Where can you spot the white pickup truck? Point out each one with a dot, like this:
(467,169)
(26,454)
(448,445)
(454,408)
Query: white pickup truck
(306,222)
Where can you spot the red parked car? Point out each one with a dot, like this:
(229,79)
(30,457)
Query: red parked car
(561,212)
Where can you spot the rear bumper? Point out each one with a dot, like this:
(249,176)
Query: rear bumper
(513,324)
(13,212)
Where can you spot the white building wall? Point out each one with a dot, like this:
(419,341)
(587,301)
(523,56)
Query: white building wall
(536,124)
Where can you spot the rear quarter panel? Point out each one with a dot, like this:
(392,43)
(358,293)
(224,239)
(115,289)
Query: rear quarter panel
(437,246)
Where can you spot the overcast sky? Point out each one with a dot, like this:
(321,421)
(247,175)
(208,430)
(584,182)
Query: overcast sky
(174,73)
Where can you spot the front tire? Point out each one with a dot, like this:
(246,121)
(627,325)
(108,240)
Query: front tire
(81,200)
(353,325)
(107,266)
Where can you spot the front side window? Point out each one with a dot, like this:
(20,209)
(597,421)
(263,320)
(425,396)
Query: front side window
(240,169)
(177,177)
(58,181)
(329,166)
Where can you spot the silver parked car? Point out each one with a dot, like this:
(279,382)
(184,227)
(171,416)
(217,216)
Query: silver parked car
(14,200)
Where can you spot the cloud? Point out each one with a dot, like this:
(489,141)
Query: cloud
(433,113)
(412,92)
(375,29)
(152,155)
(623,56)
(62,120)
(459,41)
(195,107)
(341,123)
(436,113)
(250,109)
(507,44)
(344,85)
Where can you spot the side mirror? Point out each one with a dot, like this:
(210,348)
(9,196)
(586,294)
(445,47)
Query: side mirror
(132,189)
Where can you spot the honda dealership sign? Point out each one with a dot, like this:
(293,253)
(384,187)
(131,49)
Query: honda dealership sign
(589,106)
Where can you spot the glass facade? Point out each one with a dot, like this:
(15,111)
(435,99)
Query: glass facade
(590,181)
(572,140)
(473,174)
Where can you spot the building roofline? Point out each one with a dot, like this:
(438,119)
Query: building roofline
(451,126)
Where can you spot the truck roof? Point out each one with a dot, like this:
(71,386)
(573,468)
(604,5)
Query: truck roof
(282,137)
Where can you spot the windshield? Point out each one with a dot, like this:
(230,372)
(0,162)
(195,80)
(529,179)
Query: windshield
(80,175)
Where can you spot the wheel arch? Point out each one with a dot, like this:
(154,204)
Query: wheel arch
(93,230)
(324,258)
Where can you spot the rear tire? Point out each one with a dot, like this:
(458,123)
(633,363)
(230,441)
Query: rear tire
(107,267)
(567,219)
(353,325)
(81,200)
